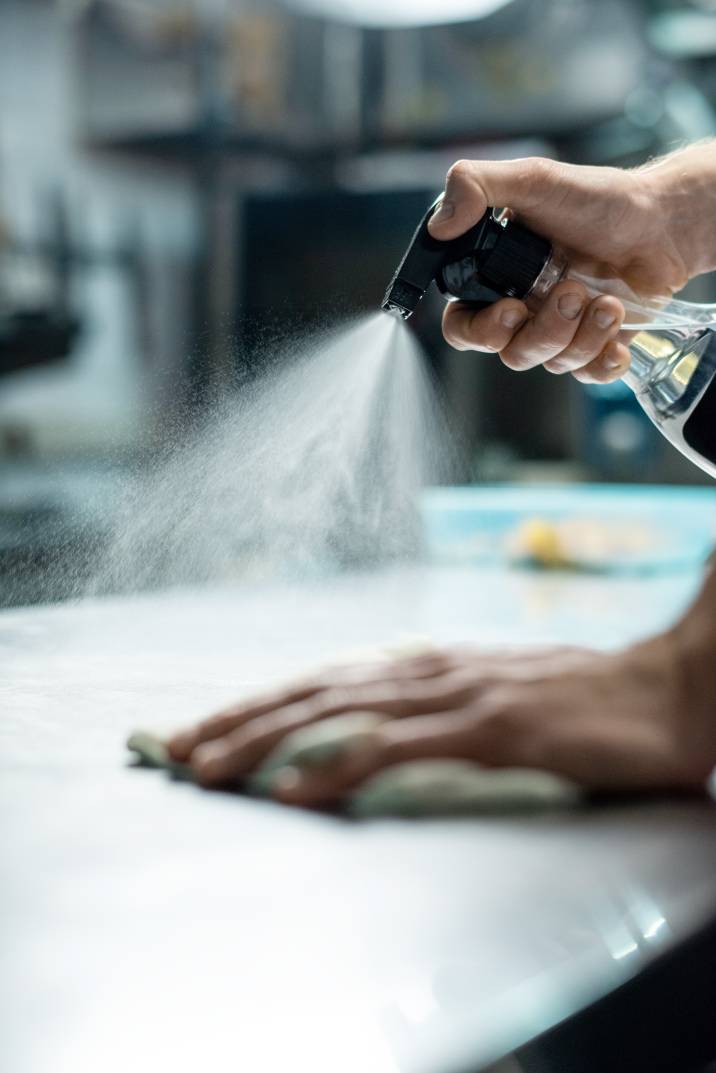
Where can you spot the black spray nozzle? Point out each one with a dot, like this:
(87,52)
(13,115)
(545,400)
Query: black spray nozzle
(423,262)
(495,259)
(419,267)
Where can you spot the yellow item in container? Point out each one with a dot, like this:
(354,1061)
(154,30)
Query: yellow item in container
(539,541)
(582,543)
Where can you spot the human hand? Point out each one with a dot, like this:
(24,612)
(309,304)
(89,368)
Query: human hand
(607,721)
(610,223)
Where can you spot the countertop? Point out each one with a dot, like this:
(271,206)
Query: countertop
(150,926)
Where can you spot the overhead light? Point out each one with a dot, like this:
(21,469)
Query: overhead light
(378,13)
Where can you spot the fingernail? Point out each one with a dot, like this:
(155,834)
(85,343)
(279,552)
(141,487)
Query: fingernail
(604,318)
(570,306)
(511,318)
(612,363)
(443,212)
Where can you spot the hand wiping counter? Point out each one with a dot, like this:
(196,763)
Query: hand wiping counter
(415,788)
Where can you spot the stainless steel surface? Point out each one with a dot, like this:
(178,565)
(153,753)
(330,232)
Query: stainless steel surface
(150,926)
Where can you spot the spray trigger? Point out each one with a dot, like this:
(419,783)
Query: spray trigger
(496,258)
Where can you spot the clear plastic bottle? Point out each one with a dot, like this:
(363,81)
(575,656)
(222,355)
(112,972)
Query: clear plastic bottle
(642,314)
(673,350)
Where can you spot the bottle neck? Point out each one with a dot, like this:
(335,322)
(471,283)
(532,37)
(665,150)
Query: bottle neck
(555,269)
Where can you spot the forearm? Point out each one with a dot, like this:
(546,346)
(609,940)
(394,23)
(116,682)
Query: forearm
(684,188)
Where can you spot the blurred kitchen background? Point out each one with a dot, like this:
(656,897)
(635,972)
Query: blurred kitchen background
(180,179)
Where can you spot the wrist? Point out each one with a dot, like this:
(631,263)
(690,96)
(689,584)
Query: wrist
(693,644)
(682,187)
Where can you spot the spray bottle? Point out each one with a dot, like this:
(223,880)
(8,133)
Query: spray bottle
(673,345)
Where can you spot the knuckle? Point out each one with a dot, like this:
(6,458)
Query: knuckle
(460,172)
(541,170)
(504,723)
(519,353)
(564,363)
(385,694)
(441,662)
(333,697)
(502,731)
(548,341)
(574,356)
(457,689)
(424,665)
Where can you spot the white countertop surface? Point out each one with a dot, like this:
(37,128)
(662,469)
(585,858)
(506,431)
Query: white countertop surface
(150,926)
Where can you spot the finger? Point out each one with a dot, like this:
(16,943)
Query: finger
(600,323)
(612,364)
(474,185)
(182,744)
(551,330)
(488,329)
(442,736)
(427,665)
(236,754)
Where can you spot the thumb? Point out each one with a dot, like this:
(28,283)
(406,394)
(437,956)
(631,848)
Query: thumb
(473,185)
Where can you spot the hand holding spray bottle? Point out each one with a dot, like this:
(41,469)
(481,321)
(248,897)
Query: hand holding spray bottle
(673,346)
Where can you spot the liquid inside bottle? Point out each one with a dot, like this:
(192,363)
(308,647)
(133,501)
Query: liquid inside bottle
(673,375)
